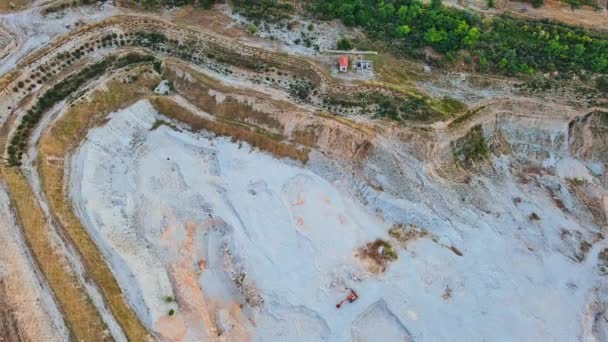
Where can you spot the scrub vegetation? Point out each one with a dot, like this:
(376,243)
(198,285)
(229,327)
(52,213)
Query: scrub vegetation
(471,148)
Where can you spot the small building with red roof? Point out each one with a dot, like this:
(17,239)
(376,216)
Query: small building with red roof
(343,63)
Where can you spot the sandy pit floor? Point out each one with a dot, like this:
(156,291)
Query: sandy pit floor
(209,238)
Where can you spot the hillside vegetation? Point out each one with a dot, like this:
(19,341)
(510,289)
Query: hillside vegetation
(502,44)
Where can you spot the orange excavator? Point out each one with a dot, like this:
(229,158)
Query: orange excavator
(352,296)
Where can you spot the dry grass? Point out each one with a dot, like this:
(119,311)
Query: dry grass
(6,80)
(394,70)
(5,5)
(80,315)
(10,330)
(264,141)
(308,135)
(57,142)
(349,123)
(229,107)
(405,233)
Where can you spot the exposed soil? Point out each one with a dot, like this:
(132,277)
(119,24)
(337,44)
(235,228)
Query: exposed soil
(561,11)
(9,327)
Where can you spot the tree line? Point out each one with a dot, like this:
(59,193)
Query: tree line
(502,44)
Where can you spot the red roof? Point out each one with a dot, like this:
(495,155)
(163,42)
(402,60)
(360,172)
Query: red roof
(343,61)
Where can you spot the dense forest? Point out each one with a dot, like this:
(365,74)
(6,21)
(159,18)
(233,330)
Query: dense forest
(502,44)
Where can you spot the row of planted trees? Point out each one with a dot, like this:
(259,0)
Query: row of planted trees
(59,92)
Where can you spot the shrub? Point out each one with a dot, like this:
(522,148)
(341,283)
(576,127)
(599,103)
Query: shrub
(344,44)
(206,4)
(252,29)
(574,3)
(471,148)
(577,181)
(301,90)
(265,10)
(602,83)
(157,66)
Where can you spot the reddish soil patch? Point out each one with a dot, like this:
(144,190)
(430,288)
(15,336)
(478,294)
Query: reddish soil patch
(299,221)
(299,201)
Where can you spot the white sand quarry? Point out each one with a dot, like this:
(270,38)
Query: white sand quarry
(253,247)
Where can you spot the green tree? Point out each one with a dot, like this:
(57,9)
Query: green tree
(436,4)
(386,12)
(472,37)
(434,36)
(414,10)
(502,64)
(347,12)
(402,13)
(462,27)
(579,50)
(556,49)
(403,31)
(600,64)
(483,63)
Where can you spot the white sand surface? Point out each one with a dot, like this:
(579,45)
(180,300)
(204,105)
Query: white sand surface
(251,246)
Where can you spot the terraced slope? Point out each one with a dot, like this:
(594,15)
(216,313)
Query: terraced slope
(163,176)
